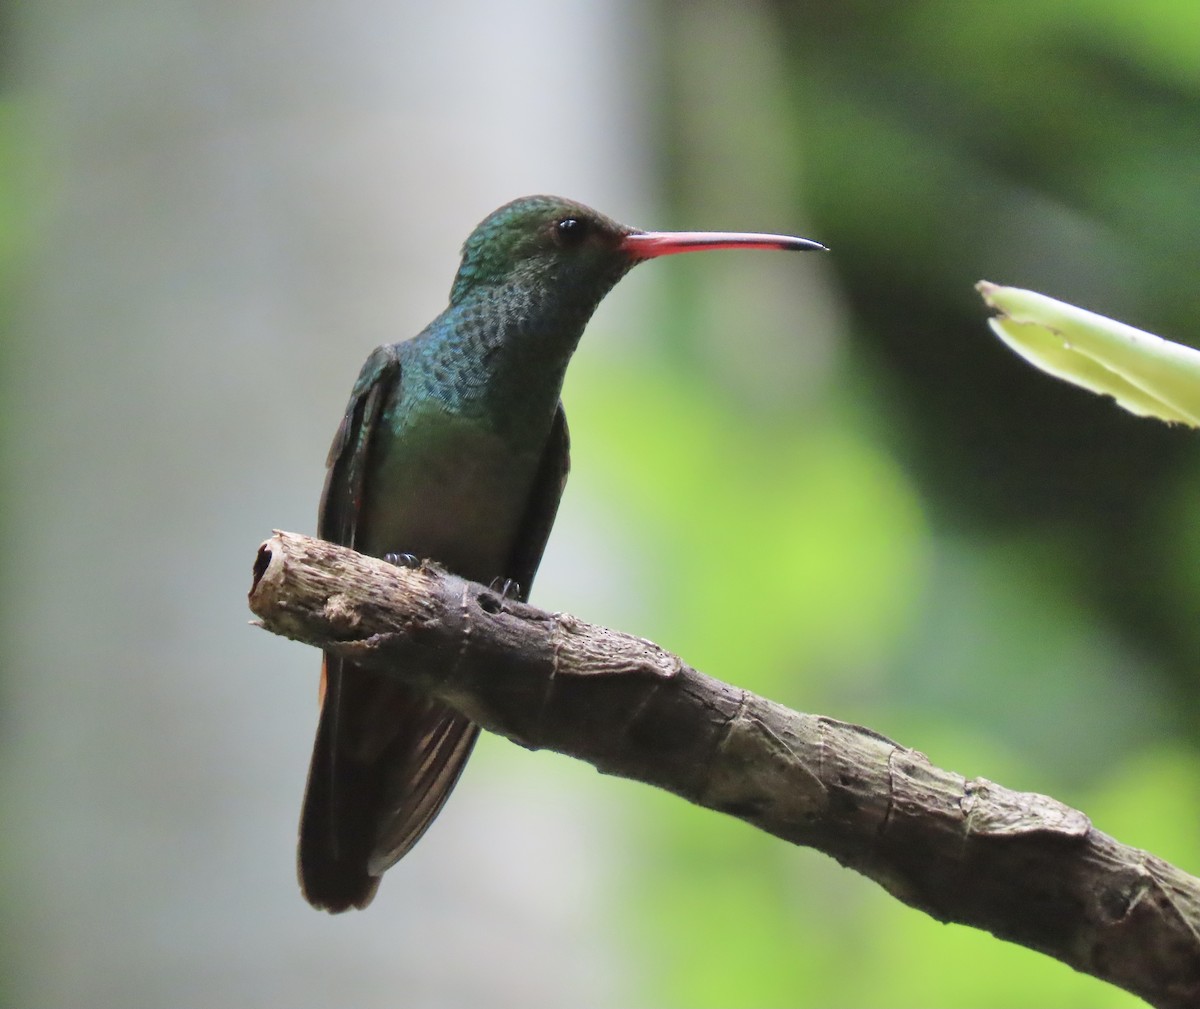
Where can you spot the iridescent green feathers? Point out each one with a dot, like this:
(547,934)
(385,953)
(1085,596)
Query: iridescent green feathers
(543,244)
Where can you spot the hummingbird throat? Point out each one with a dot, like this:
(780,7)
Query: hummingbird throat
(522,353)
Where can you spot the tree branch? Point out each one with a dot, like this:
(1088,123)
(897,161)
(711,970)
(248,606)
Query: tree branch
(1023,866)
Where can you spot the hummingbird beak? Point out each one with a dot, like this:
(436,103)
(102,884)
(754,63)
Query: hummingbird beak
(649,244)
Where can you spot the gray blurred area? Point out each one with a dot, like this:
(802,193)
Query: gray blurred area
(234,204)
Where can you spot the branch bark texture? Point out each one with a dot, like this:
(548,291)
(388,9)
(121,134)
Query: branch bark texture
(1023,866)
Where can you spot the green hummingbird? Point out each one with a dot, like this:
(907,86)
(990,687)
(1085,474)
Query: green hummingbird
(454,447)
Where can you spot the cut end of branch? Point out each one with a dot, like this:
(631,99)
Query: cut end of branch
(261,563)
(268,571)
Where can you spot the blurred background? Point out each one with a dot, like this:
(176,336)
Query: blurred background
(820,478)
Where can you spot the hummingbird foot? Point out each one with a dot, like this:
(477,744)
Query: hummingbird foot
(403,560)
(507,588)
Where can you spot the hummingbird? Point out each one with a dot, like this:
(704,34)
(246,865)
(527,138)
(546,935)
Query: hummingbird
(454,447)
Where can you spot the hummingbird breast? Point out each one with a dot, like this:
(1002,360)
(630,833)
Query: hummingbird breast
(448,487)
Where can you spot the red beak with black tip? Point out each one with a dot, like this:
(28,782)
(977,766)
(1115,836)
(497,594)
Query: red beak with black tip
(649,244)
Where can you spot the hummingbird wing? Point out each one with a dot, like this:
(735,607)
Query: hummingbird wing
(544,497)
(385,757)
(349,455)
(337,824)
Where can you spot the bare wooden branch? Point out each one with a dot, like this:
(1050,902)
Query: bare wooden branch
(1023,866)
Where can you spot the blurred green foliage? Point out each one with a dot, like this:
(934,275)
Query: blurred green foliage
(960,552)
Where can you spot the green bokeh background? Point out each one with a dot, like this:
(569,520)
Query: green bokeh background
(843,493)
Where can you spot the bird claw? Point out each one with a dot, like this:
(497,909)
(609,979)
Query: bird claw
(403,560)
(506,587)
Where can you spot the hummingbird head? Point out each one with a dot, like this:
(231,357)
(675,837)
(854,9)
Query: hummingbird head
(550,246)
(531,275)
(544,245)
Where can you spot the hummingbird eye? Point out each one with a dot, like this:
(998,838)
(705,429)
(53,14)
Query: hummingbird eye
(571,231)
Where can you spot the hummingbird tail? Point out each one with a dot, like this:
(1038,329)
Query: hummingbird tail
(384,762)
(332,869)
